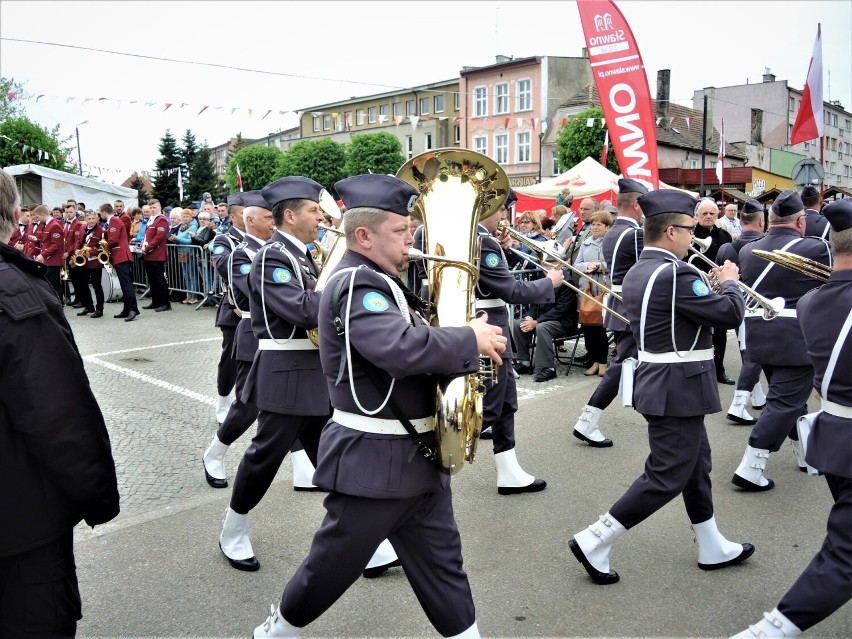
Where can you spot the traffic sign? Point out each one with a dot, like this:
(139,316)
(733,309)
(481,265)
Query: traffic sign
(807,171)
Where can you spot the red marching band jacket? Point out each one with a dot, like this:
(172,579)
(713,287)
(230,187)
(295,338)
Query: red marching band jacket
(94,247)
(52,243)
(156,234)
(74,236)
(118,241)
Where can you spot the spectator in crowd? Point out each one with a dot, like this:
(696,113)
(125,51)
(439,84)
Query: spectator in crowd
(140,232)
(187,257)
(563,232)
(221,211)
(730,221)
(135,214)
(565,198)
(547,225)
(56,213)
(590,260)
(204,238)
(529,223)
(588,206)
(118,207)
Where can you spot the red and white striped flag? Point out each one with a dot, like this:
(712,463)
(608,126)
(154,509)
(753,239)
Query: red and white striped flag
(720,165)
(810,119)
(239,179)
(605,149)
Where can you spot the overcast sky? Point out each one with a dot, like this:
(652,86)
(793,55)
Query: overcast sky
(294,55)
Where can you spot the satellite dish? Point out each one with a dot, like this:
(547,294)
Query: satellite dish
(807,171)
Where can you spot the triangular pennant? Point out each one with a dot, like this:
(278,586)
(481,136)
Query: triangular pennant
(382,118)
(658,121)
(671,121)
(590,122)
(183,104)
(233,110)
(41,95)
(397,119)
(265,114)
(506,122)
(11,96)
(562,123)
(688,122)
(534,122)
(168,104)
(414,119)
(87,100)
(24,149)
(67,100)
(250,110)
(150,103)
(102,99)
(203,109)
(520,122)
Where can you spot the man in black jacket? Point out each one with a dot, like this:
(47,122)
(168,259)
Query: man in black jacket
(546,322)
(56,464)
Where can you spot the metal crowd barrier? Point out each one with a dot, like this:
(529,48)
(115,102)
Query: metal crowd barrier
(189,270)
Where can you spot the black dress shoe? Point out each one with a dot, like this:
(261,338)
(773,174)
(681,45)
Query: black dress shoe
(164,307)
(85,311)
(724,379)
(741,420)
(523,369)
(131,315)
(148,307)
(544,375)
(97,314)
(121,315)
(376,571)
(748,551)
(486,433)
(214,482)
(537,486)
(249,565)
(751,487)
(601,578)
(77,305)
(604,443)
(309,489)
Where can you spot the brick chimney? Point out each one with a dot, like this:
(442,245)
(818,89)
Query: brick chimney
(661,107)
(768,76)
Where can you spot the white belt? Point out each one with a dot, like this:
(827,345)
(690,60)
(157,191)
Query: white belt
(378,425)
(243,314)
(490,303)
(703,355)
(758,312)
(617,288)
(838,410)
(292,345)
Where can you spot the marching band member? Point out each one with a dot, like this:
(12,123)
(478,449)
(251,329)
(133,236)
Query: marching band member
(93,269)
(621,247)
(381,360)
(825,316)
(285,381)
(118,242)
(671,309)
(51,245)
(154,257)
(74,239)
(816,225)
(778,345)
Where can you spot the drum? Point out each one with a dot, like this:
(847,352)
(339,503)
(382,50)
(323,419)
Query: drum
(112,288)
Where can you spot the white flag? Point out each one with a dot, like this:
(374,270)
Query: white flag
(720,165)
(180,185)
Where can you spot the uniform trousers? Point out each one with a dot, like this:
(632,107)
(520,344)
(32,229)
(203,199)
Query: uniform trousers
(749,374)
(55,281)
(226,373)
(679,463)
(826,584)
(125,281)
(545,332)
(39,595)
(79,276)
(608,387)
(240,415)
(156,272)
(499,407)
(276,434)
(425,537)
(94,278)
(786,401)
(720,343)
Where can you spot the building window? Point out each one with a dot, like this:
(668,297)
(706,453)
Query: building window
(480,144)
(524,95)
(397,108)
(501,97)
(424,106)
(359,117)
(439,104)
(409,107)
(371,115)
(457,134)
(501,148)
(524,145)
(792,106)
(316,123)
(457,104)
(789,131)
(383,111)
(409,147)
(326,122)
(428,142)
(807,146)
(831,167)
(555,168)
(480,102)
(833,119)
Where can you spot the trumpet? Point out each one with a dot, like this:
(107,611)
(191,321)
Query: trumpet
(544,254)
(753,299)
(103,254)
(79,257)
(803,265)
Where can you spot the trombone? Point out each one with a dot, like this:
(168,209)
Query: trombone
(544,254)
(803,265)
(753,299)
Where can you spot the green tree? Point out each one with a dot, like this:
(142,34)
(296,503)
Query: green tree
(165,183)
(239,143)
(139,185)
(25,142)
(12,97)
(258,167)
(320,160)
(202,176)
(577,141)
(373,153)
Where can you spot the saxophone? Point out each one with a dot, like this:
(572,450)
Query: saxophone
(457,188)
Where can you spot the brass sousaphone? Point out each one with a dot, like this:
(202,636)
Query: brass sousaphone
(458,188)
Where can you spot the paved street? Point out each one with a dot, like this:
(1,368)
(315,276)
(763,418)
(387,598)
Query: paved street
(156,571)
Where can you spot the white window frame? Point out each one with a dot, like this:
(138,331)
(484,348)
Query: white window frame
(480,102)
(427,142)
(480,144)
(424,102)
(397,108)
(383,110)
(456,101)
(524,99)
(316,124)
(410,107)
(501,98)
(371,115)
(409,147)
(523,147)
(438,106)
(457,134)
(326,122)
(359,117)
(501,148)
(554,170)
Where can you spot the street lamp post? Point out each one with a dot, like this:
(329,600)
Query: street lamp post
(79,156)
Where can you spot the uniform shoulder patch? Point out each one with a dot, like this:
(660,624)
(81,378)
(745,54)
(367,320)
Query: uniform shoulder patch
(376,302)
(219,250)
(245,268)
(492,260)
(700,288)
(281,276)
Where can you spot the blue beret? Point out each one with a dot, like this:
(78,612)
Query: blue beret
(839,214)
(378,191)
(255,198)
(787,203)
(511,198)
(294,187)
(235,199)
(666,201)
(752,206)
(810,192)
(626,185)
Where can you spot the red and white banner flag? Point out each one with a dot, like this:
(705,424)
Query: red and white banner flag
(623,88)
(605,149)
(810,121)
(239,179)
(720,164)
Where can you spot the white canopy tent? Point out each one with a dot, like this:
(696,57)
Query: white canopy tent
(41,185)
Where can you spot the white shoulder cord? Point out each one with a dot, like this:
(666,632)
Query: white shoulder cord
(280,247)
(704,279)
(647,296)
(244,246)
(399,298)
(835,355)
(771,264)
